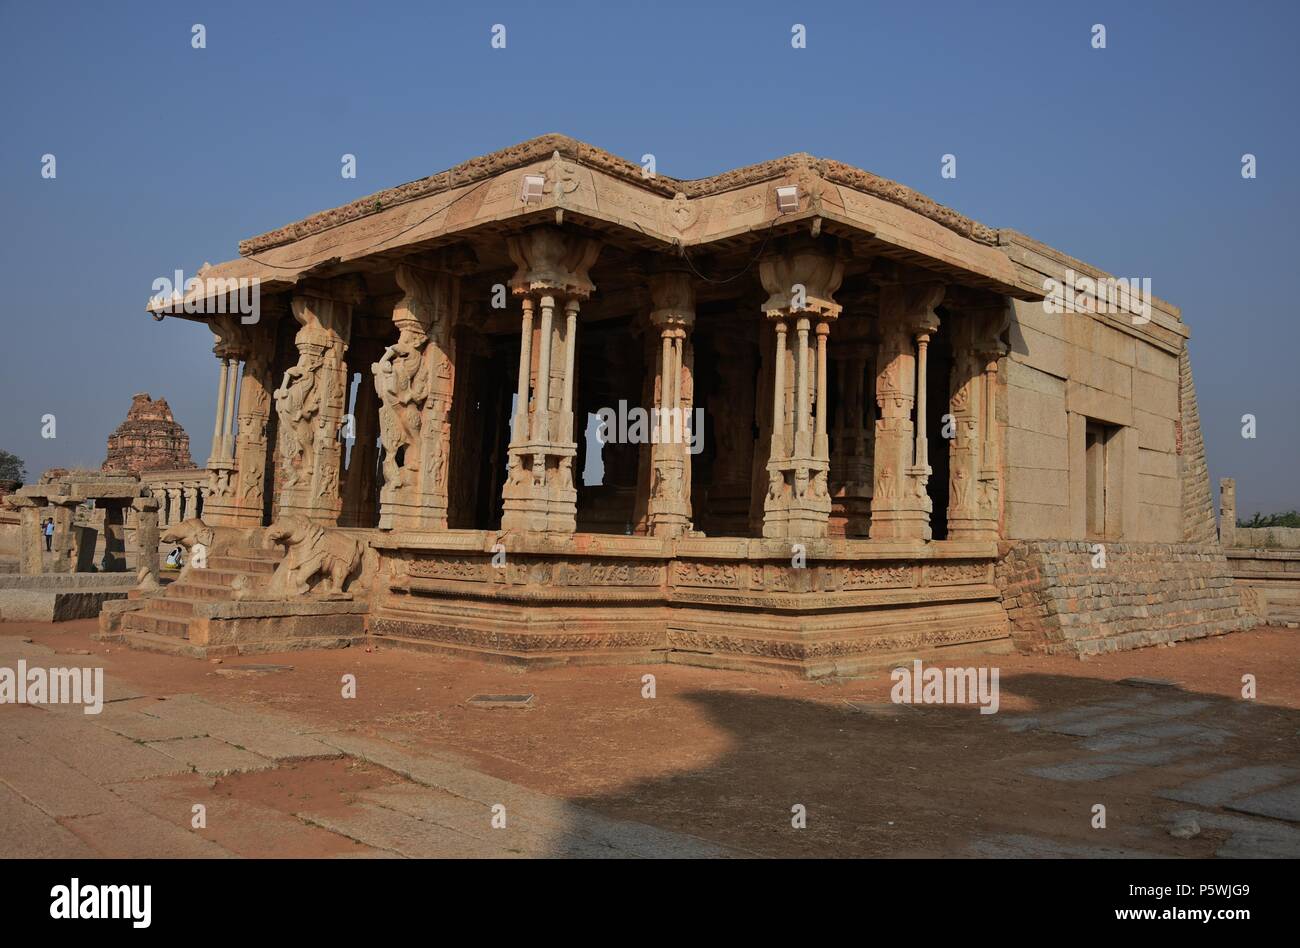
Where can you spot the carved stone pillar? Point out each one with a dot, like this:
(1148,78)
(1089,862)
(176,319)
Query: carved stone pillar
(551,279)
(31,540)
(230,348)
(311,400)
(146,533)
(991,346)
(236,488)
(1227,511)
(174,515)
(114,559)
(800,307)
(414,380)
(64,540)
(974,467)
(900,506)
(673,315)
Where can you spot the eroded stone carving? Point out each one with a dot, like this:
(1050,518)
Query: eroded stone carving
(317,561)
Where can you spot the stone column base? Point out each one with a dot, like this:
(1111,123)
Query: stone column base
(405,515)
(540,504)
(802,509)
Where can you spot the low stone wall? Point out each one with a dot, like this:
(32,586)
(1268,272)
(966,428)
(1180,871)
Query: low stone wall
(1266,538)
(1269,582)
(1146,594)
(59,597)
(224,628)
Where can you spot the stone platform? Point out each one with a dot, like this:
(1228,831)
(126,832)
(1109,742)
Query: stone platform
(59,597)
(198,615)
(727,603)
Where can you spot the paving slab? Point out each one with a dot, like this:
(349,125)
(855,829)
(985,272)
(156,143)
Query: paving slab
(403,834)
(1025,846)
(539,812)
(265,735)
(432,770)
(562,833)
(1282,803)
(1073,771)
(1218,789)
(129,832)
(1174,709)
(28,833)
(212,757)
(47,783)
(1250,838)
(245,828)
(94,751)
(130,719)
(1095,724)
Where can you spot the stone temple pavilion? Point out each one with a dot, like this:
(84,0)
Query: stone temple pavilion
(545,407)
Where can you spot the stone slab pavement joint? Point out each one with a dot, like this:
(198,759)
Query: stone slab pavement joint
(27,832)
(1282,803)
(1221,788)
(212,757)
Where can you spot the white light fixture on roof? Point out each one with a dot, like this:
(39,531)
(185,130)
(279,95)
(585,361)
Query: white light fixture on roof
(787,198)
(531,189)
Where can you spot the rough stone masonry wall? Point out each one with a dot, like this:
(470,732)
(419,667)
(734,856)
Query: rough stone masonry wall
(1198,506)
(1147,594)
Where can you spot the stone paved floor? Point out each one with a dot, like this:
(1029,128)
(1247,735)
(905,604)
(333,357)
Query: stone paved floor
(1182,744)
(124,782)
(1185,770)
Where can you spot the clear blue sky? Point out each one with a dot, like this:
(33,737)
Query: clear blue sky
(167,156)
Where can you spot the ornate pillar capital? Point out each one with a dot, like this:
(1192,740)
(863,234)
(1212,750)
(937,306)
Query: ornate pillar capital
(672,296)
(801,282)
(552,262)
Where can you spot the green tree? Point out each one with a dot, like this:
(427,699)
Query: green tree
(1262,521)
(12,467)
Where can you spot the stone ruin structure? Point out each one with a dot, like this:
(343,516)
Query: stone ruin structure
(894,448)
(151,444)
(87,565)
(150,439)
(1265,562)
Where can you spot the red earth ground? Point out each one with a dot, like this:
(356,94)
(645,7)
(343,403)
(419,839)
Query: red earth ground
(724,755)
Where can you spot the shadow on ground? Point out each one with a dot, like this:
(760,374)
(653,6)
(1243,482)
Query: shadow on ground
(904,780)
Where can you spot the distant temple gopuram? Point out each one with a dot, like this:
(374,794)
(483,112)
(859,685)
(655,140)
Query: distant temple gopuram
(547,407)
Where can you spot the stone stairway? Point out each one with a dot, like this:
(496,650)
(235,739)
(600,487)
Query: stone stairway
(163,623)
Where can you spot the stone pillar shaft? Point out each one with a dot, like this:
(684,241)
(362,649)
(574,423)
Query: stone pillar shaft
(900,505)
(552,267)
(974,469)
(232,393)
(673,315)
(801,286)
(415,380)
(311,401)
(218,425)
(146,533)
(31,550)
(1227,511)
